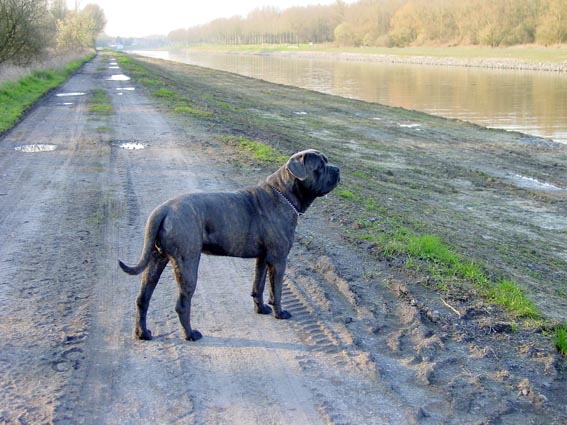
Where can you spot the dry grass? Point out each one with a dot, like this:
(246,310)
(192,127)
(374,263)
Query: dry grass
(55,61)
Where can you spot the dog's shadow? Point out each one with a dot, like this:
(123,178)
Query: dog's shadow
(209,341)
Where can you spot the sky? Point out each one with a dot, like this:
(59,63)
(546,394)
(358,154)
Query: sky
(139,18)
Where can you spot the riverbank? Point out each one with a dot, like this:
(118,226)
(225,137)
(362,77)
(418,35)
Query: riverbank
(462,225)
(552,59)
(492,63)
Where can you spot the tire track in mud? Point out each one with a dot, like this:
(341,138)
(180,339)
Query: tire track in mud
(365,397)
(120,162)
(319,336)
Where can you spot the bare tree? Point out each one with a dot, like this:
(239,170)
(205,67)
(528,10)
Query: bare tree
(394,23)
(25,30)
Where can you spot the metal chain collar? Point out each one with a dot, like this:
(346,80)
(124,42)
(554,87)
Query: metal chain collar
(285,198)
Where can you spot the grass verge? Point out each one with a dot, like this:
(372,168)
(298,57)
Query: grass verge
(17,97)
(561,339)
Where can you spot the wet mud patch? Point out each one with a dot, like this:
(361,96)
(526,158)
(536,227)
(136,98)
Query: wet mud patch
(531,183)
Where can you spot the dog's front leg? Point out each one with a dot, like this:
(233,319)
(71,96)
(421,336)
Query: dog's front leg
(277,271)
(258,286)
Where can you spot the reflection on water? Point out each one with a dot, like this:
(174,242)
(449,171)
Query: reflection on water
(132,146)
(36,148)
(528,101)
(118,77)
(78,93)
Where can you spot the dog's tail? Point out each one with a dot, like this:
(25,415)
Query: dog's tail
(152,227)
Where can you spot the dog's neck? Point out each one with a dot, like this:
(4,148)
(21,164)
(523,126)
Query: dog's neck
(288,188)
(285,198)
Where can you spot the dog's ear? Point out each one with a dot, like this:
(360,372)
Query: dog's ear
(296,166)
(301,163)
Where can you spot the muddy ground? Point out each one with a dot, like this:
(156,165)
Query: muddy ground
(370,341)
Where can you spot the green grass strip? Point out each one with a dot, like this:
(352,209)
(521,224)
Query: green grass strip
(561,339)
(513,298)
(428,253)
(17,97)
(260,151)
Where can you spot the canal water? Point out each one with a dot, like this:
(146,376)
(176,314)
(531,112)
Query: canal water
(533,102)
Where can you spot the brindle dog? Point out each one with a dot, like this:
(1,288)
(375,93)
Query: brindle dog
(257,222)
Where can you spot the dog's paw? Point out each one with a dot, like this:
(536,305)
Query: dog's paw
(262,309)
(194,336)
(144,335)
(283,315)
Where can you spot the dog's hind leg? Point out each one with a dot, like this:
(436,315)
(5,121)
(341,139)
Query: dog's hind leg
(186,272)
(277,271)
(150,278)
(258,286)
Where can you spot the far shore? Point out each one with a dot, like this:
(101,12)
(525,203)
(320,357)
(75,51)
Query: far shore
(534,59)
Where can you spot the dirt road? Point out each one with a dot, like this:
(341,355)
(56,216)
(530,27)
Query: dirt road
(372,356)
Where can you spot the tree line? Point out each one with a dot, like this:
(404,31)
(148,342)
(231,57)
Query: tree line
(393,23)
(31,28)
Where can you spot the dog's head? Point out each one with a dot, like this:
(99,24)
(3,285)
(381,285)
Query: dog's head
(313,173)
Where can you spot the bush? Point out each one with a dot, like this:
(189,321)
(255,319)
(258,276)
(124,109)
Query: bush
(25,30)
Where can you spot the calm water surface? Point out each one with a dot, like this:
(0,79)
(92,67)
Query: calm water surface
(528,101)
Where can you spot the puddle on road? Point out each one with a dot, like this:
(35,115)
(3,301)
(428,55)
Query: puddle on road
(36,148)
(113,67)
(409,125)
(118,77)
(126,88)
(78,93)
(130,145)
(65,104)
